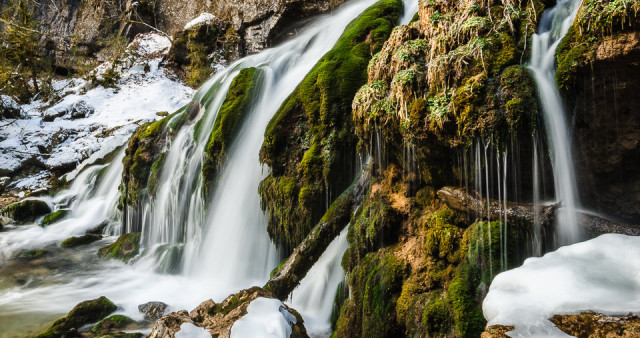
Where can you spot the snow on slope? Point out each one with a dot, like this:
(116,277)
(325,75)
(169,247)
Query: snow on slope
(91,119)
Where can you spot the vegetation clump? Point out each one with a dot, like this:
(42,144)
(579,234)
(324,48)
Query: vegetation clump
(310,139)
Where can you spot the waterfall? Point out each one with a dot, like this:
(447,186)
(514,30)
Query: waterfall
(554,25)
(212,245)
(313,298)
(90,202)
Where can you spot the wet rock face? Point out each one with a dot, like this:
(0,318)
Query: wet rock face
(607,127)
(84,25)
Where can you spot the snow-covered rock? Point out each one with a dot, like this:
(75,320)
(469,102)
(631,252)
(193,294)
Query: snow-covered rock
(204,18)
(89,118)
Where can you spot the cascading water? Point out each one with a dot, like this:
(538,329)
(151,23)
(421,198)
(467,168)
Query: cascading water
(90,204)
(313,298)
(221,241)
(554,25)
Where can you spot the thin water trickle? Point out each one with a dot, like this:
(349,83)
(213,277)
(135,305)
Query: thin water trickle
(554,25)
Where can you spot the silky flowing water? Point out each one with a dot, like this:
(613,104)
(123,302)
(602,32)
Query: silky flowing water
(193,248)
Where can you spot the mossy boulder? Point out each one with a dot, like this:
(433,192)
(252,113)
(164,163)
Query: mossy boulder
(32,254)
(75,241)
(309,143)
(112,324)
(26,210)
(142,151)
(87,312)
(124,248)
(228,122)
(54,217)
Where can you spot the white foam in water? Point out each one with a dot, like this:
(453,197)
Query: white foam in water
(601,275)
(313,298)
(265,318)
(188,330)
(225,249)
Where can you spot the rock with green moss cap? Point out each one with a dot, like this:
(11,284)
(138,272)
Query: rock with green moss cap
(228,122)
(32,254)
(124,248)
(75,241)
(26,210)
(309,143)
(53,217)
(87,312)
(113,325)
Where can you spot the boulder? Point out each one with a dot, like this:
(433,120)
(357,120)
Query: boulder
(53,217)
(81,110)
(26,210)
(152,310)
(89,311)
(113,325)
(75,241)
(124,248)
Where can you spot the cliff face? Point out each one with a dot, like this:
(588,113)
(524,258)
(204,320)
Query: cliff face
(598,71)
(74,26)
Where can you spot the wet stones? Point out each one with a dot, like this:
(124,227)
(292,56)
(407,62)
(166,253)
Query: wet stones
(153,310)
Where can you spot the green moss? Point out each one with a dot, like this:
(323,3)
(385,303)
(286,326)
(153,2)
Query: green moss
(461,294)
(228,122)
(73,242)
(84,313)
(437,317)
(110,323)
(25,210)
(32,253)
(375,285)
(154,176)
(124,248)
(310,139)
(521,99)
(142,152)
(53,217)
(598,17)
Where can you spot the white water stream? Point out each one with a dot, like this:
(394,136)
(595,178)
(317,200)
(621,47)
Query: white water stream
(554,25)
(219,249)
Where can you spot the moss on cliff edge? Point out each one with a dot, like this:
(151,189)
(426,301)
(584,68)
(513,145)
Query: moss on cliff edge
(309,144)
(228,122)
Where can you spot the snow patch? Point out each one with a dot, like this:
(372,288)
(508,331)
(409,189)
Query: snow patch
(204,18)
(601,275)
(266,317)
(89,118)
(188,330)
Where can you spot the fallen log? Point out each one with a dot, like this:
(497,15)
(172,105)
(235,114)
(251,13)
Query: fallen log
(474,206)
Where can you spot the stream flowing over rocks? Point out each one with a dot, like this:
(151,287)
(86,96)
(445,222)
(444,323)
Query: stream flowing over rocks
(295,168)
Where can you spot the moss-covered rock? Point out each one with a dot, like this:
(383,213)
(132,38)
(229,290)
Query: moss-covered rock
(124,248)
(25,210)
(112,324)
(196,49)
(309,143)
(84,313)
(32,254)
(228,122)
(53,217)
(75,241)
